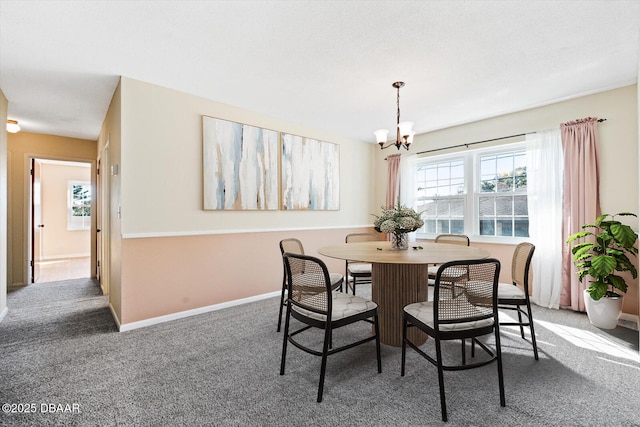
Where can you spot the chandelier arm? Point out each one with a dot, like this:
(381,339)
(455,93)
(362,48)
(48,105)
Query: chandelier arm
(391,144)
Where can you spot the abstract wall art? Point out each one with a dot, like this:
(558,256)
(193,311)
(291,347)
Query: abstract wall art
(310,174)
(240,166)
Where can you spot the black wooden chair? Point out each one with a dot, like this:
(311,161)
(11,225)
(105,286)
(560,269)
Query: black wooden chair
(294,246)
(356,269)
(311,300)
(453,239)
(469,311)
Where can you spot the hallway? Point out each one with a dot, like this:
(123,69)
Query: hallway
(56,270)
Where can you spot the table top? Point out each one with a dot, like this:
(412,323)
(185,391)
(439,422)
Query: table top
(381,253)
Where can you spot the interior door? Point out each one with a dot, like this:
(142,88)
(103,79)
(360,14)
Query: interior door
(36,220)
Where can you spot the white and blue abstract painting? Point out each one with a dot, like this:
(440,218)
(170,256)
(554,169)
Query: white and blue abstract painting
(310,174)
(240,166)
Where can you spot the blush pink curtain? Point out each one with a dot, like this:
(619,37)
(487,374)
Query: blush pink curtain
(581,198)
(393,181)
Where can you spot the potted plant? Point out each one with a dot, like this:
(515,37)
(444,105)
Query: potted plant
(398,221)
(602,258)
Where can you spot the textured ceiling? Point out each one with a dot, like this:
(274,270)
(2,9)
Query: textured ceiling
(325,64)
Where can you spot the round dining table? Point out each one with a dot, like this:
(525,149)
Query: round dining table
(400,277)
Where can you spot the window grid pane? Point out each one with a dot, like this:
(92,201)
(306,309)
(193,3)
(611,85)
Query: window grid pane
(501,204)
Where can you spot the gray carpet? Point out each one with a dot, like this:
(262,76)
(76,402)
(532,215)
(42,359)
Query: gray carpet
(59,345)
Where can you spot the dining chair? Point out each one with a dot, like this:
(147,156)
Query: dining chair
(355,269)
(294,246)
(454,239)
(312,301)
(515,295)
(472,313)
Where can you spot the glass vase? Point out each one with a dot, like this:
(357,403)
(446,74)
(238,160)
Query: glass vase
(399,241)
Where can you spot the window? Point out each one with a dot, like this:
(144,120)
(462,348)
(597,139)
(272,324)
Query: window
(441,189)
(502,196)
(479,193)
(79,206)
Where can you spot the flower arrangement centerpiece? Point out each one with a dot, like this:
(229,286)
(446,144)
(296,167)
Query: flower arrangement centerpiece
(398,221)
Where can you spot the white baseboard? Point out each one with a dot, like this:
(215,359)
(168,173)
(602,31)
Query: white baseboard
(632,318)
(629,317)
(115,317)
(188,313)
(61,257)
(3,313)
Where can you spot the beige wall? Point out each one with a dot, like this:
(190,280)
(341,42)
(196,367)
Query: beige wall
(4,276)
(57,240)
(618,148)
(22,146)
(173,255)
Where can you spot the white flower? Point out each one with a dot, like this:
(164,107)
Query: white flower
(399,219)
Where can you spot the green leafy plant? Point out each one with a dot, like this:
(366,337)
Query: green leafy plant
(607,256)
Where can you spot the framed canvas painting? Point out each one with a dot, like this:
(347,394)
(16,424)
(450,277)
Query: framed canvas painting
(310,174)
(240,166)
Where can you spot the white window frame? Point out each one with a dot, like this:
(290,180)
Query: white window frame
(472,190)
(76,223)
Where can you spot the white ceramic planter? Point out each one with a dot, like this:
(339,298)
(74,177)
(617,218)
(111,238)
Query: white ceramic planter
(603,313)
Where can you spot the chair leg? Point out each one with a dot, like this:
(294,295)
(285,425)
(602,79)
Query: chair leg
(533,333)
(520,320)
(354,286)
(323,365)
(499,360)
(285,340)
(281,305)
(376,328)
(330,331)
(464,351)
(404,346)
(443,404)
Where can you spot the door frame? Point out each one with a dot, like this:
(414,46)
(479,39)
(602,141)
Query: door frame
(103,216)
(27,215)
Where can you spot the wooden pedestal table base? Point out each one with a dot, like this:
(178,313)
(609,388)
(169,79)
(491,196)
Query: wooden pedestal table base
(393,287)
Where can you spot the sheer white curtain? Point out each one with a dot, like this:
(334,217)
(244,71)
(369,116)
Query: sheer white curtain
(408,184)
(544,189)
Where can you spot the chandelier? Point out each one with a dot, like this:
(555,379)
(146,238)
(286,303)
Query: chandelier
(404,132)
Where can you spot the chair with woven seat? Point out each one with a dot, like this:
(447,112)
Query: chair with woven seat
(294,246)
(454,239)
(515,295)
(355,269)
(312,301)
(471,313)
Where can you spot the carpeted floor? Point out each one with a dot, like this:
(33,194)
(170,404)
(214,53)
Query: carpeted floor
(60,350)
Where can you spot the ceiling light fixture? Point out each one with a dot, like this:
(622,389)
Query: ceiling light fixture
(404,132)
(13,126)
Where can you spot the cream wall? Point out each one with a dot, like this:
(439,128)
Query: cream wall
(162,168)
(57,240)
(618,148)
(21,147)
(4,276)
(174,256)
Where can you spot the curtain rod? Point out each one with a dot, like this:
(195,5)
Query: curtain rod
(482,142)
